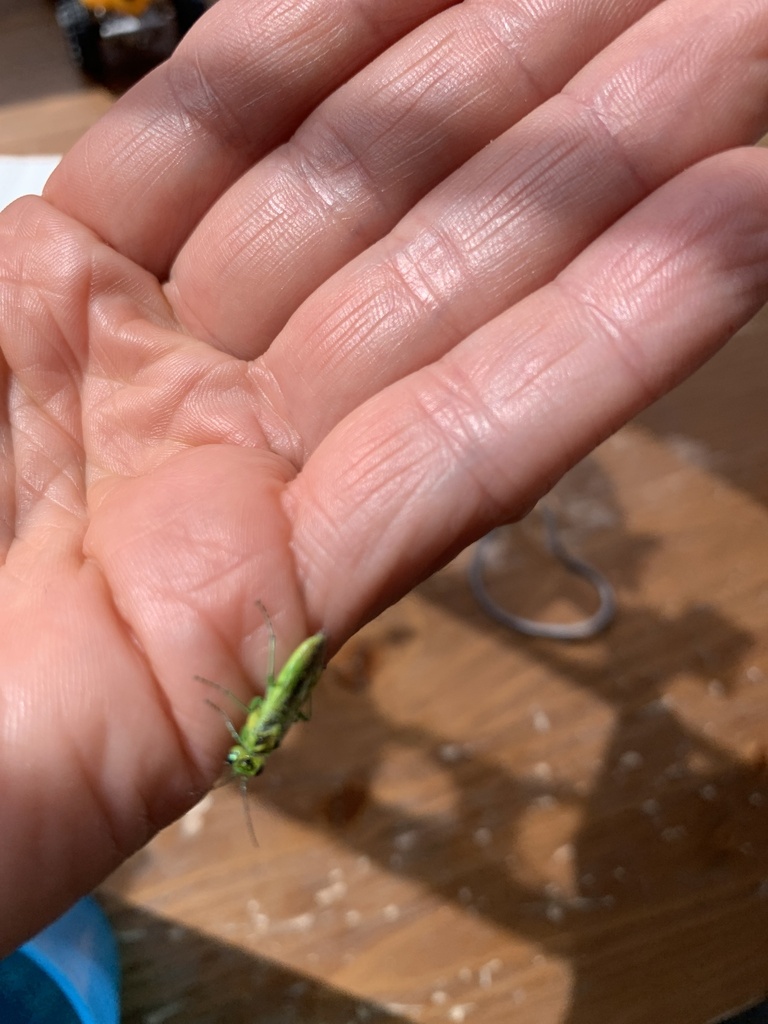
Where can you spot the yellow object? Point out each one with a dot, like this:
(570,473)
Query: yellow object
(135,7)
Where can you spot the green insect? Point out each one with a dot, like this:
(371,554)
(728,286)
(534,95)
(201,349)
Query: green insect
(268,718)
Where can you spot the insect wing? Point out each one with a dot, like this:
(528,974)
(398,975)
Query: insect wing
(289,692)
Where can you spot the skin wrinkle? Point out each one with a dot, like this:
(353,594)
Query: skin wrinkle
(31,320)
(281,436)
(178,422)
(169,585)
(415,82)
(200,104)
(319,167)
(129,455)
(429,283)
(380,452)
(324,525)
(685,239)
(124,345)
(348,326)
(432,252)
(149,141)
(50,390)
(402,493)
(615,100)
(40,477)
(464,434)
(616,144)
(509,377)
(191,763)
(599,322)
(274,216)
(29,416)
(507,33)
(217,417)
(415,280)
(68,371)
(8,504)
(495,212)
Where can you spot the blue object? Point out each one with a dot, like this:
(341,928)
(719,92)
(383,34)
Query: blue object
(68,974)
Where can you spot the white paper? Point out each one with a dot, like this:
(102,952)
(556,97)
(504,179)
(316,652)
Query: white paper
(23,176)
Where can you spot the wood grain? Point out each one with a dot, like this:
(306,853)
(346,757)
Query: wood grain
(476,826)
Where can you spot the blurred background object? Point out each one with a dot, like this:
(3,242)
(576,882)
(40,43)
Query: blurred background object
(118,41)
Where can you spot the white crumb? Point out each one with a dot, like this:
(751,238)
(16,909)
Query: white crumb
(674,833)
(405,841)
(555,913)
(331,894)
(192,822)
(459,1012)
(487,971)
(482,836)
(450,753)
(631,760)
(541,722)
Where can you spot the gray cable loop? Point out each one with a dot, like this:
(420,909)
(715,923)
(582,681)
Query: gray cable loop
(583,630)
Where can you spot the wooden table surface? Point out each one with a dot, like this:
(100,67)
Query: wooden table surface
(476,826)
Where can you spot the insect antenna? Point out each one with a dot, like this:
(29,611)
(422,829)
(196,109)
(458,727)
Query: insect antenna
(247,811)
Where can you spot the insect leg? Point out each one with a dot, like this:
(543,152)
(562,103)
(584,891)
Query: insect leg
(271,655)
(304,714)
(232,730)
(228,693)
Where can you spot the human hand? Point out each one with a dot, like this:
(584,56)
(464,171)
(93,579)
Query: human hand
(264,345)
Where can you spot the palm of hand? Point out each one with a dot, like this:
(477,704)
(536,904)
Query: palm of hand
(143,507)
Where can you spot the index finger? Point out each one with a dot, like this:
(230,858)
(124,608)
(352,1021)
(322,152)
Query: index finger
(241,81)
